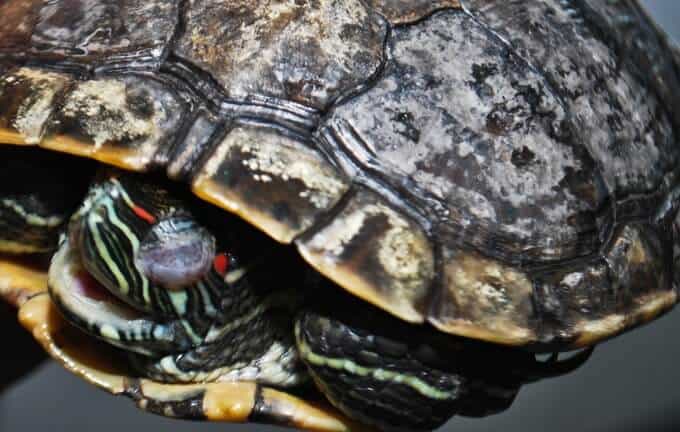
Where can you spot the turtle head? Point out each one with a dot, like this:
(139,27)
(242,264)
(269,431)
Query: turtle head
(131,228)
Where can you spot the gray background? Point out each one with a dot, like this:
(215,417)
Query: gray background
(632,383)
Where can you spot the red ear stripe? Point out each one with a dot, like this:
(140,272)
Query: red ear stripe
(143,214)
(221,264)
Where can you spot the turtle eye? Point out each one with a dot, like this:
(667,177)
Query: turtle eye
(221,264)
(176,252)
(142,245)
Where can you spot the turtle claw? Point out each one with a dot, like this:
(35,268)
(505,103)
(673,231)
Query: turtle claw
(554,367)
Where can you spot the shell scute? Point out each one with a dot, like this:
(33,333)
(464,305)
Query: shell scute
(27,100)
(123,121)
(273,180)
(376,253)
(309,52)
(630,283)
(88,32)
(484,299)
(128,121)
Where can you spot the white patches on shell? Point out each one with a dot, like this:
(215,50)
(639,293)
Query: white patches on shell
(399,249)
(335,237)
(102,107)
(268,156)
(484,299)
(375,253)
(616,115)
(29,120)
(34,111)
(467,121)
(572,280)
(270,159)
(119,120)
(305,51)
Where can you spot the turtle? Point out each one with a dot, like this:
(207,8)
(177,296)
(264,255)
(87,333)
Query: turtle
(335,214)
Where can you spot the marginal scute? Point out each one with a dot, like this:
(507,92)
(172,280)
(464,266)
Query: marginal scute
(407,11)
(629,285)
(640,265)
(458,117)
(88,31)
(483,299)
(274,181)
(27,99)
(122,121)
(376,253)
(305,51)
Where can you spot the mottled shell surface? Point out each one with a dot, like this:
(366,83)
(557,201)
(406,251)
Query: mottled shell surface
(504,170)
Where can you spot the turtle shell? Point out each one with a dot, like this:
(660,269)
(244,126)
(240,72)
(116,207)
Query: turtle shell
(503,170)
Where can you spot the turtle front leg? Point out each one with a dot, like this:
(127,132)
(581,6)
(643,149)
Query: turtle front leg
(397,376)
(34,207)
(377,380)
(33,210)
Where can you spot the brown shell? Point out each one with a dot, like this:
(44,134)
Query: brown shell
(504,170)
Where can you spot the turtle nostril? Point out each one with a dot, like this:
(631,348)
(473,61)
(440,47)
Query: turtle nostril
(176,252)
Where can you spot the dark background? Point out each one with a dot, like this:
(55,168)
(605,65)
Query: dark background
(630,384)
